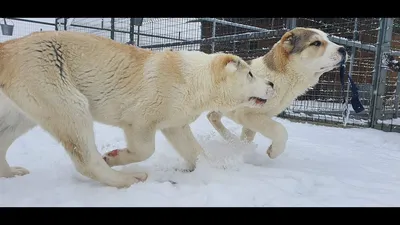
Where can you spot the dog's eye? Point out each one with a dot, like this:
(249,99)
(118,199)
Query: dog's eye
(316,43)
(251,75)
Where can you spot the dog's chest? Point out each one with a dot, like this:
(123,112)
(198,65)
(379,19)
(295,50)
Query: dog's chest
(176,120)
(286,97)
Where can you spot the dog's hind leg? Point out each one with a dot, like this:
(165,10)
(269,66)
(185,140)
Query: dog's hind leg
(141,145)
(13,124)
(184,142)
(66,116)
(247,135)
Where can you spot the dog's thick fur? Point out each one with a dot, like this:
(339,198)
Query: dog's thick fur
(63,81)
(293,64)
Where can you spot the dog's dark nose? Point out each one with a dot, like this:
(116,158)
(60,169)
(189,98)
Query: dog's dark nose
(342,51)
(270,84)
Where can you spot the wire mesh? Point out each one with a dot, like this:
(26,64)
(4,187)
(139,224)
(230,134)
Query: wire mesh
(247,49)
(389,119)
(24,27)
(152,32)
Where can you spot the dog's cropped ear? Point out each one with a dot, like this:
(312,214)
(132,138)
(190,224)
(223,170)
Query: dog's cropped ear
(232,63)
(224,65)
(288,41)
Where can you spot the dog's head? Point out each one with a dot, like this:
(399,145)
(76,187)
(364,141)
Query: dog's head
(310,50)
(236,85)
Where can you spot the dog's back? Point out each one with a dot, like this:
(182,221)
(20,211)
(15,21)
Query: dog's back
(85,62)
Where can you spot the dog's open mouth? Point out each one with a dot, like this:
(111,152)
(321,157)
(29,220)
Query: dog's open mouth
(258,101)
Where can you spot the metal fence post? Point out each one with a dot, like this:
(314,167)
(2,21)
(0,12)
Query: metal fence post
(290,23)
(56,24)
(353,52)
(131,31)
(65,23)
(138,35)
(397,96)
(380,72)
(213,35)
(112,28)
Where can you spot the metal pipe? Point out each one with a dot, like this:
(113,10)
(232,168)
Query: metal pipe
(138,35)
(65,23)
(396,97)
(224,22)
(131,31)
(125,32)
(234,37)
(34,21)
(112,28)
(213,35)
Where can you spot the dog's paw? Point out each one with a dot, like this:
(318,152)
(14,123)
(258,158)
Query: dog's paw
(275,150)
(125,180)
(15,171)
(141,176)
(112,157)
(214,116)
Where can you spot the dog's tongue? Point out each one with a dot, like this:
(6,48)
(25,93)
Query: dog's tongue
(258,101)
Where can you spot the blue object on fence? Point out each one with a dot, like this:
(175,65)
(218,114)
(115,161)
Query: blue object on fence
(355,101)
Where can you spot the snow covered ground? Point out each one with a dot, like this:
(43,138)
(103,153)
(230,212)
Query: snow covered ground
(322,166)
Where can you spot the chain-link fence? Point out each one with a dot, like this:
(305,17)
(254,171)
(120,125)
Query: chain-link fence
(369,41)
(142,32)
(19,27)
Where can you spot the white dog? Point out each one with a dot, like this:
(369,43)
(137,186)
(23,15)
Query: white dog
(63,81)
(294,64)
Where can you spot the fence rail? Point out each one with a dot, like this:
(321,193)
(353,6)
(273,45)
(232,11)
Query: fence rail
(369,41)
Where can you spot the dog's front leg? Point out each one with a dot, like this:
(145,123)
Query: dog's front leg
(184,142)
(247,135)
(141,145)
(267,127)
(215,119)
